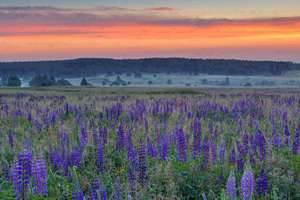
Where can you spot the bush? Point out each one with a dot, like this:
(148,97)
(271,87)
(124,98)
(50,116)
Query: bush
(42,81)
(13,81)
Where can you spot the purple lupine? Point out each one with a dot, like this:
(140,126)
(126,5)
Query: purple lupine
(222,151)
(120,140)
(100,157)
(295,148)
(117,193)
(287,135)
(77,195)
(262,183)
(11,139)
(131,179)
(39,176)
(247,185)
(83,138)
(164,146)
(205,151)
(151,150)
(261,143)
(94,190)
(75,157)
(142,167)
(181,145)
(213,150)
(196,137)
(231,187)
(232,159)
(21,171)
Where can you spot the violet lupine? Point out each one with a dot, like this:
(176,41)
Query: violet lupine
(164,146)
(222,151)
(100,157)
(261,143)
(196,137)
(117,193)
(295,148)
(78,195)
(205,151)
(39,176)
(287,135)
(231,187)
(142,167)
(262,183)
(151,150)
(247,185)
(181,145)
(213,150)
(21,171)
(83,138)
(232,158)
(131,179)
(75,157)
(120,140)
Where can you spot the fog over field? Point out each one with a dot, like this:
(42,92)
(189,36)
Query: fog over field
(178,80)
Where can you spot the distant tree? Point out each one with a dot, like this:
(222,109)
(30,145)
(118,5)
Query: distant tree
(42,81)
(227,81)
(13,81)
(84,82)
(150,82)
(247,85)
(63,82)
(204,81)
(169,82)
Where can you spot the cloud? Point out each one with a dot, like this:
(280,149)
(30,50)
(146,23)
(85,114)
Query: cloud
(161,9)
(104,16)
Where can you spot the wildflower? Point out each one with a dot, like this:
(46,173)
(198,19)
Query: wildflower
(247,185)
(231,187)
(39,176)
(262,183)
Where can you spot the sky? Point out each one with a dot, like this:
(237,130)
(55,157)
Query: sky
(230,29)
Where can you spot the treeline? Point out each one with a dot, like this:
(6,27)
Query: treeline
(38,81)
(88,67)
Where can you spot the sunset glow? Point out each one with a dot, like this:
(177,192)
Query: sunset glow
(34,33)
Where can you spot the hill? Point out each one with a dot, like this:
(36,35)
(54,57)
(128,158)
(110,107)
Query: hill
(92,66)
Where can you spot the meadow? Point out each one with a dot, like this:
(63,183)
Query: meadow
(149,143)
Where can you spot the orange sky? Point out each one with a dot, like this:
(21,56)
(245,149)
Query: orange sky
(277,39)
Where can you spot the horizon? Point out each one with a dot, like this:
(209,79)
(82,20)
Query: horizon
(255,30)
(142,58)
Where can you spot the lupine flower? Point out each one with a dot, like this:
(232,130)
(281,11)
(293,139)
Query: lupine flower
(213,149)
(120,140)
(196,137)
(164,146)
(21,171)
(232,159)
(142,164)
(117,193)
(151,150)
(205,150)
(247,185)
(222,151)
(83,139)
(295,148)
(231,187)
(287,135)
(39,176)
(78,195)
(100,157)
(262,183)
(75,158)
(181,145)
(261,143)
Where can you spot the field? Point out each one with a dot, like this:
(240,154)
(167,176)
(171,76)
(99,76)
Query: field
(149,143)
